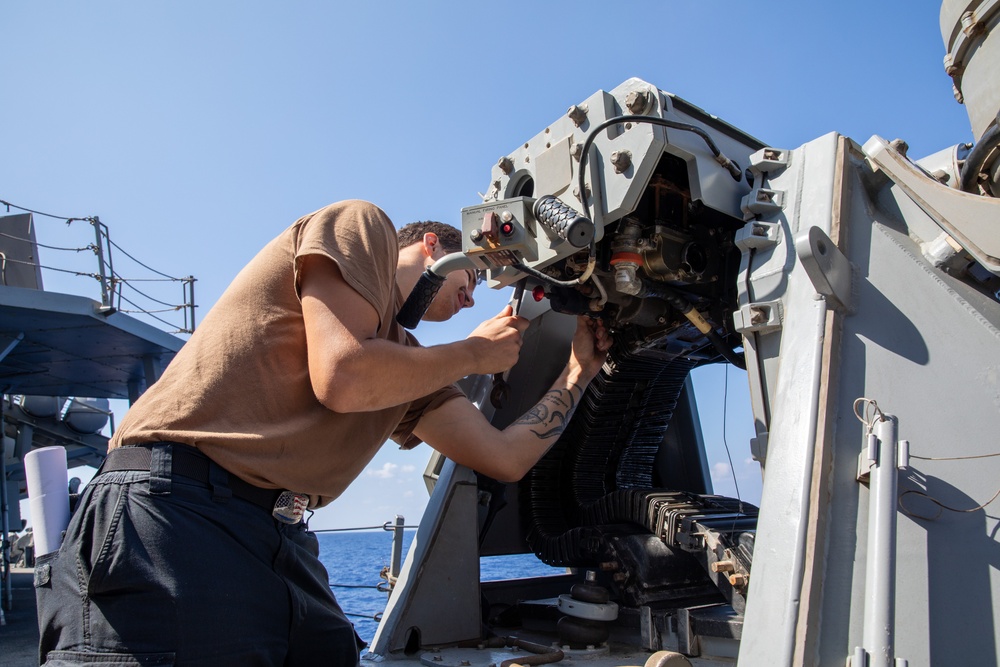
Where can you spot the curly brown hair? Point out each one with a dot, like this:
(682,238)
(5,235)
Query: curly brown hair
(450,238)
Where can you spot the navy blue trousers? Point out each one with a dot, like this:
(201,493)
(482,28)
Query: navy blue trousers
(185,575)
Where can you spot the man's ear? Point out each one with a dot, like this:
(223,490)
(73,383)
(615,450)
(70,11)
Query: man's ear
(431,243)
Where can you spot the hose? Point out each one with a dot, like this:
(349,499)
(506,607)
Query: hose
(729,165)
(975,162)
(686,309)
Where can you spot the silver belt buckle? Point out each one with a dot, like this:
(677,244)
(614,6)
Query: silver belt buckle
(289,507)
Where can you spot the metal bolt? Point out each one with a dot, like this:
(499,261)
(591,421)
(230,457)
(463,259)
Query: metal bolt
(576,151)
(609,566)
(578,114)
(900,146)
(436,658)
(506,164)
(759,230)
(738,580)
(621,160)
(619,577)
(637,101)
(758,316)
(723,566)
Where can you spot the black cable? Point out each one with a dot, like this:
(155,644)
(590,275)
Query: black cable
(47,215)
(47,247)
(122,281)
(682,305)
(544,277)
(141,310)
(728,353)
(112,243)
(728,164)
(52,268)
(976,159)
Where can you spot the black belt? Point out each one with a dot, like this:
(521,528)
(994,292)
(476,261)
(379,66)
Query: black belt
(188,462)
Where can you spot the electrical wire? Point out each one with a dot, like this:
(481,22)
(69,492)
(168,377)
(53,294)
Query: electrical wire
(726,163)
(940,504)
(725,441)
(954,458)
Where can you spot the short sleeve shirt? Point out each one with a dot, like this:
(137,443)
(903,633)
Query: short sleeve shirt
(239,390)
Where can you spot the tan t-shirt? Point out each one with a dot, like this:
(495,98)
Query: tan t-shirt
(239,389)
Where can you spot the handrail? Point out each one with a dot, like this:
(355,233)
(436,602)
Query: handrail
(111,282)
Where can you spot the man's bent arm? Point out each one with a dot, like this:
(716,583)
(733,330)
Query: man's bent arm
(352,371)
(461,432)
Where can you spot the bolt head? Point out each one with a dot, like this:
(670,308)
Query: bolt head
(621,160)
(577,114)
(637,101)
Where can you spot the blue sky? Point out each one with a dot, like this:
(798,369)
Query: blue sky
(198,130)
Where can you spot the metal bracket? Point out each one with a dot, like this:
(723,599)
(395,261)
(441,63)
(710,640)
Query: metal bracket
(827,267)
(867,458)
(760,317)
(758,447)
(758,234)
(969,219)
(769,160)
(762,201)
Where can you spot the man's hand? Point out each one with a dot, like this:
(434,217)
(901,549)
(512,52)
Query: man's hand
(496,343)
(459,430)
(591,343)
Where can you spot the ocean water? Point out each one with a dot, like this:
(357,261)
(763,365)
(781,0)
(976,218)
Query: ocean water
(355,559)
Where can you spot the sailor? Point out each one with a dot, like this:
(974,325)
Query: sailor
(187,547)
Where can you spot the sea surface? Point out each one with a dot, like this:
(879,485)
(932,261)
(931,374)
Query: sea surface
(355,559)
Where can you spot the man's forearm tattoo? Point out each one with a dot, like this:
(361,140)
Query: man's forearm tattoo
(551,414)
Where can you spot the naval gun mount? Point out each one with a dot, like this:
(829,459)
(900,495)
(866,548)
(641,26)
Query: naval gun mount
(839,274)
(624,498)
